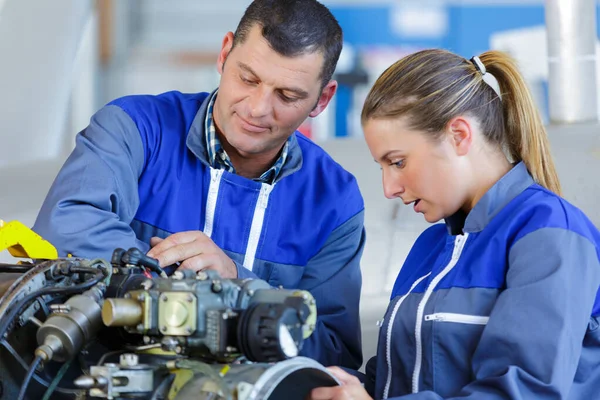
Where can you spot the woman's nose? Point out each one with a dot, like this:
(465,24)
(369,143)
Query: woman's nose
(392,187)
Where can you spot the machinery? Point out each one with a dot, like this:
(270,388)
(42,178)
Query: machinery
(79,329)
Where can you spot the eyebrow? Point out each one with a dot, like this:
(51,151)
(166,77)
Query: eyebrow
(386,156)
(302,94)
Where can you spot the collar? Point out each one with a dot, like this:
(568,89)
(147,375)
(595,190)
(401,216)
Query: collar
(218,157)
(197,143)
(493,201)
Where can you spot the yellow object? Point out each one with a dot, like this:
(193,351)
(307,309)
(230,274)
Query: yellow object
(182,376)
(20,241)
(224,370)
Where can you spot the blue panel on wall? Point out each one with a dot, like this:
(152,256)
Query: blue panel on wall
(370,26)
(471,27)
(469,30)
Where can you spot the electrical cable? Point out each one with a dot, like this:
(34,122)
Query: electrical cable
(8,319)
(59,375)
(30,372)
(37,378)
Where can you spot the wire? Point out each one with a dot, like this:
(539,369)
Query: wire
(37,378)
(30,372)
(10,316)
(109,354)
(59,375)
(14,268)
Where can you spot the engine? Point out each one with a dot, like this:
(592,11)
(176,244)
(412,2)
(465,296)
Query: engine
(77,329)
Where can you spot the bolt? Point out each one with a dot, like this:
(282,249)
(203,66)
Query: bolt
(190,298)
(164,297)
(146,339)
(163,328)
(115,270)
(141,297)
(250,292)
(140,327)
(189,330)
(128,359)
(201,276)
(178,349)
(216,286)
(147,285)
(127,295)
(177,275)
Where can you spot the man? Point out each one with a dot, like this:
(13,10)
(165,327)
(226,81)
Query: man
(222,181)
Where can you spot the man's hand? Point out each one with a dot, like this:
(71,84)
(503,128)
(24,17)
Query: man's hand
(351,388)
(195,251)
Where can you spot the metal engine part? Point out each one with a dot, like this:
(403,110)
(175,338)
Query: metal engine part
(290,379)
(188,336)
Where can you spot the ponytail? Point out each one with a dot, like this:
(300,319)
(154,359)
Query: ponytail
(525,135)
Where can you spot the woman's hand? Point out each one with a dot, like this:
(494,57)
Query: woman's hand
(351,388)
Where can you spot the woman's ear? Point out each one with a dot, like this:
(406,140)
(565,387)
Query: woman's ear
(460,131)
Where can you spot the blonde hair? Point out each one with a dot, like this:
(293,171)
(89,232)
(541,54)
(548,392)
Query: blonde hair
(431,87)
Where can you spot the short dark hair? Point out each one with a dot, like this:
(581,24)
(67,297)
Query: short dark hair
(295,27)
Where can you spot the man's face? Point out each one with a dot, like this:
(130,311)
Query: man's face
(264,96)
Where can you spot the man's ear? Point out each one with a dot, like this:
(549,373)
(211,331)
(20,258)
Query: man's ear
(460,131)
(324,99)
(225,49)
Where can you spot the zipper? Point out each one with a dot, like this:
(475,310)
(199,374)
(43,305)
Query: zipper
(257,224)
(388,339)
(458,318)
(459,244)
(211,200)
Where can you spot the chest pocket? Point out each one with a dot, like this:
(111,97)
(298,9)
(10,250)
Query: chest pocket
(455,338)
(456,318)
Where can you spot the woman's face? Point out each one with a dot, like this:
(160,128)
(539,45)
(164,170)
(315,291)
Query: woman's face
(425,173)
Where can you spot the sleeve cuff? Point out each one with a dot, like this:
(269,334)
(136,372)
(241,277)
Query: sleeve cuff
(243,272)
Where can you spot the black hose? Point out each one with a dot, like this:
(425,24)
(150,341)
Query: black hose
(16,268)
(30,372)
(17,308)
(36,378)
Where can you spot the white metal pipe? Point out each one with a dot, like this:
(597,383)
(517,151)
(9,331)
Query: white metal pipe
(572,81)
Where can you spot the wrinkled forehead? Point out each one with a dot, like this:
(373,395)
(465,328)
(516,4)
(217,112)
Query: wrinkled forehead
(256,57)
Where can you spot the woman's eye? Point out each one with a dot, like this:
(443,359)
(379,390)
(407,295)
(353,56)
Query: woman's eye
(397,164)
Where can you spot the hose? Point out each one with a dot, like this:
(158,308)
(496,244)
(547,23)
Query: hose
(34,364)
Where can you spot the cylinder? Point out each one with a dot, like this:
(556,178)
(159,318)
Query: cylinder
(122,312)
(572,82)
(292,379)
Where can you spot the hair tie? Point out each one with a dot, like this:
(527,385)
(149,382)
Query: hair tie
(488,78)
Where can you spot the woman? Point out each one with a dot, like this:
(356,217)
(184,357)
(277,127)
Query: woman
(501,301)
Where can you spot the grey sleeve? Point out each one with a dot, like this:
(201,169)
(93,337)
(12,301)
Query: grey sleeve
(533,341)
(333,277)
(94,198)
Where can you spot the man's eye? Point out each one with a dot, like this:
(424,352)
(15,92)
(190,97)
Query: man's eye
(246,80)
(287,99)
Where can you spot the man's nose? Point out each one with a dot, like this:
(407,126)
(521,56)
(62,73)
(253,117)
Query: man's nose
(260,103)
